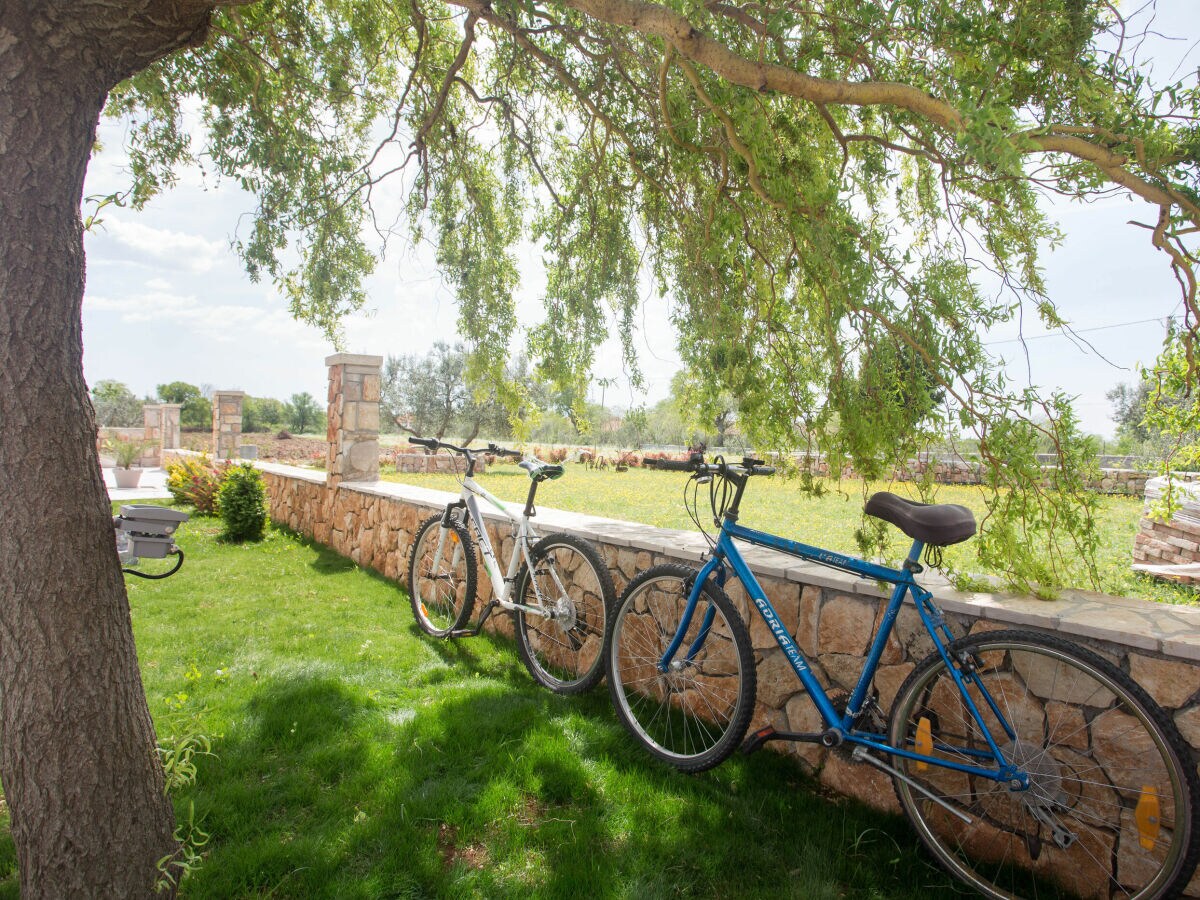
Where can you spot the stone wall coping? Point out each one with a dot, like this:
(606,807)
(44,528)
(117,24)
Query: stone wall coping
(1155,627)
(315,476)
(229,393)
(353,359)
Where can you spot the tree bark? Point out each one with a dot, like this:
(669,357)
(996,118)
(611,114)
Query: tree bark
(77,750)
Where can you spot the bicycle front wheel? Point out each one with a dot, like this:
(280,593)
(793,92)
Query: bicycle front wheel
(563,647)
(695,713)
(441,576)
(1110,806)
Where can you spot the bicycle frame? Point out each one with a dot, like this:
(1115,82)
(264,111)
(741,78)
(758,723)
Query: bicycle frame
(843,724)
(503,583)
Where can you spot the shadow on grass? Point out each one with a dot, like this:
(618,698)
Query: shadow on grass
(327,561)
(480,789)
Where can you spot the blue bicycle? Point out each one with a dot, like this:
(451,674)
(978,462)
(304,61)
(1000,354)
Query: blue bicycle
(1029,766)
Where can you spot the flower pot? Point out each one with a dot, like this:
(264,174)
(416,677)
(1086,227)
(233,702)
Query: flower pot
(127,478)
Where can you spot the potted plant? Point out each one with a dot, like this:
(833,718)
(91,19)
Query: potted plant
(127,452)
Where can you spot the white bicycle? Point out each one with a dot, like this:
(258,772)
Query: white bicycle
(558,588)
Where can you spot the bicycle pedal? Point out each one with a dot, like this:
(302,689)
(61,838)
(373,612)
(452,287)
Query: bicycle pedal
(463,632)
(755,741)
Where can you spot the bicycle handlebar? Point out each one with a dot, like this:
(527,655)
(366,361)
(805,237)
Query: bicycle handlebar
(674,465)
(697,466)
(435,444)
(500,451)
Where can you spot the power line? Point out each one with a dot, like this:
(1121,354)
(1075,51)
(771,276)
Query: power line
(1074,331)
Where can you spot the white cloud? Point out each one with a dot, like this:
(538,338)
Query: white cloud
(190,251)
(220,322)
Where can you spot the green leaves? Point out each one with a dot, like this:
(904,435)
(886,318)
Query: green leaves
(821,258)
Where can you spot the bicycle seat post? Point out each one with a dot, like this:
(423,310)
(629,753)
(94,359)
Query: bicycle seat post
(530,510)
(912,563)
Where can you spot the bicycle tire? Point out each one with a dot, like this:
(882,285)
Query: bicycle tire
(1109,773)
(565,652)
(440,612)
(696,715)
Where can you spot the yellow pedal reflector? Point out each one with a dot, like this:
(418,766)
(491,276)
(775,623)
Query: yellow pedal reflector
(924,742)
(1148,817)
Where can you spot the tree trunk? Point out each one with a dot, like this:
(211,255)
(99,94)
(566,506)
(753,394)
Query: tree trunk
(474,433)
(77,750)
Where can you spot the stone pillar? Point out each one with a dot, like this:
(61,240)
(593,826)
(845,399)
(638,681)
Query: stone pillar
(227,423)
(353,418)
(170,425)
(152,417)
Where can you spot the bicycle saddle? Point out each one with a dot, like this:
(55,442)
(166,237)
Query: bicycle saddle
(936,524)
(540,471)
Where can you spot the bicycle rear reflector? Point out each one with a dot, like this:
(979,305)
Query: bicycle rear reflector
(1148,817)
(924,743)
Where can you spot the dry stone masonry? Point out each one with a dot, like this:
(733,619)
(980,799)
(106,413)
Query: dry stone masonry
(227,423)
(1118,478)
(161,428)
(434,463)
(1170,548)
(354,382)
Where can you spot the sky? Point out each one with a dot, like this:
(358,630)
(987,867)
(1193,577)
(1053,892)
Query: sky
(168,300)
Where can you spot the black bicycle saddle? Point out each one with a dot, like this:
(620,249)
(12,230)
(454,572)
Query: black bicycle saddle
(936,524)
(540,471)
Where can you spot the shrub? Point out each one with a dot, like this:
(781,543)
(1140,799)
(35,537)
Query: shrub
(558,454)
(243,503)
(196,481)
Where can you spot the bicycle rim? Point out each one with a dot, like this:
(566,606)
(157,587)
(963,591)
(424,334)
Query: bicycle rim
(442,587)
(693,715)
(1110,804)
(564,647)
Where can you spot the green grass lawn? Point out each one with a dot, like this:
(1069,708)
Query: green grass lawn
(779,505)
(354,757)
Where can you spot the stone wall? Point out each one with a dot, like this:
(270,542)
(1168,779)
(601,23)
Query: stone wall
(1170,548)
(442,463)
(830,614)
(946,470)
(150,456)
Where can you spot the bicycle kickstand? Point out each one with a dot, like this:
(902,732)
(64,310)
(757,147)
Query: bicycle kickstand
(474,632)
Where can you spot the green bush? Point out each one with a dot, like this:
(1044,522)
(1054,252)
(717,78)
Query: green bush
(196,481)
(243,503)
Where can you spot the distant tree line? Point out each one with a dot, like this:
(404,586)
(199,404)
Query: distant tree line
(118,407)
(430,395)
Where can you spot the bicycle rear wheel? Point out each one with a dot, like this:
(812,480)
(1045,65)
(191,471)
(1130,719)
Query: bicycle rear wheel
(564,649)
(441,587)
(1112,797)
(696,713)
